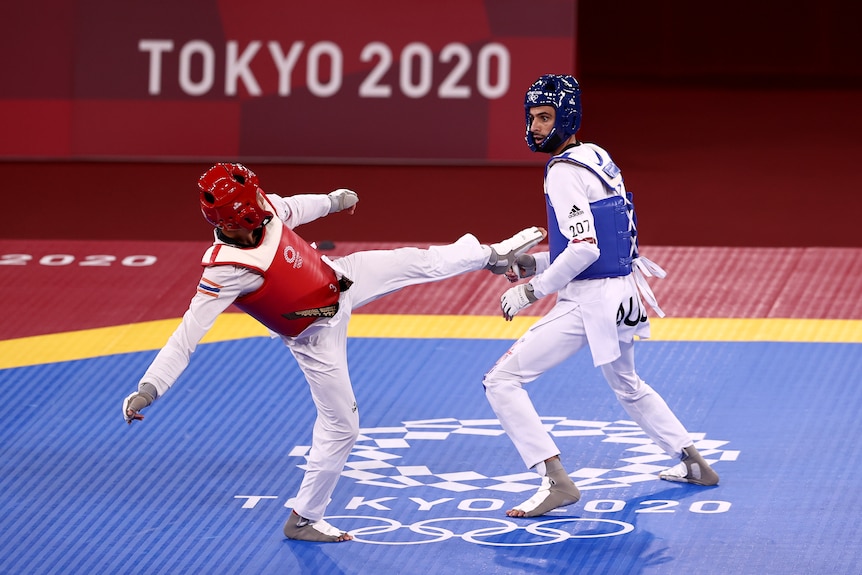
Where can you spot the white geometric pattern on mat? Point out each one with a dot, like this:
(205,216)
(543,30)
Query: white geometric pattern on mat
(373,459)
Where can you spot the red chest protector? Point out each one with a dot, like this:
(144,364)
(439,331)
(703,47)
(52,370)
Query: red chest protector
(298,287)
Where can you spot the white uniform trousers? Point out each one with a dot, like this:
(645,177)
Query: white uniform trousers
(553,339)
(321,352)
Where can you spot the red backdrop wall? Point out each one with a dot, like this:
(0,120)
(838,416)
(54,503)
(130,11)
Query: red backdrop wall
(733,127)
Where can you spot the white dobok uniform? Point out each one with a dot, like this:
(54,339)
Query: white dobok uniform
(321,348)
(605,314)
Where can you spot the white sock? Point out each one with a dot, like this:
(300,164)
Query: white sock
(487,251)
(541,468)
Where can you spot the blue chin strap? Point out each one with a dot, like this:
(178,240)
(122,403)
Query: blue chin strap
(549,145)
(563,93)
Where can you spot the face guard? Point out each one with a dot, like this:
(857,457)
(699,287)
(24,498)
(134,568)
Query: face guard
(231,198)
(564,94)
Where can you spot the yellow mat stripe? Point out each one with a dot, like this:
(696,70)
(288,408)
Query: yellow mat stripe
(152,335)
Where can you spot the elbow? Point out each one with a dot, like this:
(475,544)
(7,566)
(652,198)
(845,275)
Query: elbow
(587,249)
(594,252)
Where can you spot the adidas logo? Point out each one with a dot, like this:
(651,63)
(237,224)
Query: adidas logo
(575,212)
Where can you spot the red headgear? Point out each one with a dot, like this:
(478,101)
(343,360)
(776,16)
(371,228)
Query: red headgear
(230,198)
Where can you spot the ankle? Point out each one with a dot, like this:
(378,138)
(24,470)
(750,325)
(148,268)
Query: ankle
(553,465)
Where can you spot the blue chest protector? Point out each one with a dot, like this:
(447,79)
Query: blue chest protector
(614,217)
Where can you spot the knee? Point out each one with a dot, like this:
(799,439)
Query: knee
(334,448)
(626,396)
(347,431)
(497,387)
(629,389)
(339,430)
(490,383)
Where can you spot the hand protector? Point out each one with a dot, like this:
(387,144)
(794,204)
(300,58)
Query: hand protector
(343,199)
(515,299)
(135,402)
(524,267)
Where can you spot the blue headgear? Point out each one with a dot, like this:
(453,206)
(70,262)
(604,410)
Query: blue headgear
(563,93)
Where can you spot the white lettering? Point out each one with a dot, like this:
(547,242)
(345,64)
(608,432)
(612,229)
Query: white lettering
(604,505)
(98,260)
(315,86)
(285,64)
(658,506)
(57,260)
(488,504)
(236,68)
(207,55)
(710,507)
(358,502)
(450,87)
(155,48)
(427,505)
(499,53)
(421,87)
(252,500)
(371,87)
(324,68)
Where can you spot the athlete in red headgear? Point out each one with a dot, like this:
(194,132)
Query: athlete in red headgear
(258,263)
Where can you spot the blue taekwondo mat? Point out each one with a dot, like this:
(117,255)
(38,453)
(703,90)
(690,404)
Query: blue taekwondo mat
(204,484)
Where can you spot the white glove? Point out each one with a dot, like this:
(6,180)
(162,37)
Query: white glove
(343,199)
(515,299)
(524,267)
(135,402)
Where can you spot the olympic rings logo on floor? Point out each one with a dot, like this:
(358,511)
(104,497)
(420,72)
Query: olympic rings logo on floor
(508,533)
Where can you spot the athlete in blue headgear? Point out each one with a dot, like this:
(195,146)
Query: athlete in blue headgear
(594,268)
